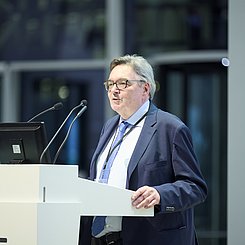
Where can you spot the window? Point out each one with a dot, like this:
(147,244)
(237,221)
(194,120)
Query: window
(197,93)
(55,29)
(160,26)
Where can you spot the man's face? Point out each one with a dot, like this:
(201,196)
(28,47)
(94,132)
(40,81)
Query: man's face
(128,100)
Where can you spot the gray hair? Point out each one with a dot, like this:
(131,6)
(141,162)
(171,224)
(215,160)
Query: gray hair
(141,67)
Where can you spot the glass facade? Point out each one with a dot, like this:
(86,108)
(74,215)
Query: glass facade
(165,26)
(72,29)
(55,29)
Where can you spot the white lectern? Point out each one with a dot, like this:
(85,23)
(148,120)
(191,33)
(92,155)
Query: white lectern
(42,204)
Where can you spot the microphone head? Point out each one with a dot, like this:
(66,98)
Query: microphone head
(84,102)
(58,106)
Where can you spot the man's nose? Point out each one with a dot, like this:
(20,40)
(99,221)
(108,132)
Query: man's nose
(114,87)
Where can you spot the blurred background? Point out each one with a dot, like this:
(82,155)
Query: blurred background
(60,50)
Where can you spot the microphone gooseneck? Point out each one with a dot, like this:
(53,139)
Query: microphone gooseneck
(55,107)
(58,106)
(82,103)
(68,132)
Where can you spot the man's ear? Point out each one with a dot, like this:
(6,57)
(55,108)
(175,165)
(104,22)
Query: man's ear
(147,87)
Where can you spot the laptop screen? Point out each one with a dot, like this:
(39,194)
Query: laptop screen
(23,142)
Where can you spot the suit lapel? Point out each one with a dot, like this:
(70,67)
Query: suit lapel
(105,136)
(108,130)
(146,134)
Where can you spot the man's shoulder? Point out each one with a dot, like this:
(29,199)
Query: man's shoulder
(168,119)
(165,115)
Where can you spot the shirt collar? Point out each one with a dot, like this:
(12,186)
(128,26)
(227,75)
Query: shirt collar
(139,113)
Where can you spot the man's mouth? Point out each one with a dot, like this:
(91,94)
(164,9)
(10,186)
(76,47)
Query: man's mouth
(117,99)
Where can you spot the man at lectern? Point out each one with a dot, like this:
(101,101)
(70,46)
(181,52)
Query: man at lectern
(149,151)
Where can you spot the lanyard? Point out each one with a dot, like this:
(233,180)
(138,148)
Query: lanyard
(120,141)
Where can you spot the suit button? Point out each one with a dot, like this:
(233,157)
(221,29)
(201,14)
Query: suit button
(170,209)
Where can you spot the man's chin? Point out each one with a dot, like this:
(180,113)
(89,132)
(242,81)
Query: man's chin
(115,107)
(116,103)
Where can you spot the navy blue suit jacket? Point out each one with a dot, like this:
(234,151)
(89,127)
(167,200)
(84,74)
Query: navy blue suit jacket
(163,158)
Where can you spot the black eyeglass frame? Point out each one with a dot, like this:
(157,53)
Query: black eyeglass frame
(124,83)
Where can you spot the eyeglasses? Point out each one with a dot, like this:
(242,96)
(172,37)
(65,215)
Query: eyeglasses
(120,83)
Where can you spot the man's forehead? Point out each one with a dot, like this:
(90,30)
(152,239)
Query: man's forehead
(123,71)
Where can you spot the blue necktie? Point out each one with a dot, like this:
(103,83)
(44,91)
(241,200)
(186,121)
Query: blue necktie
(99,221)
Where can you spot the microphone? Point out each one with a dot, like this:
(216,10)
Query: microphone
(68,132)
(55,107)
(82,103)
